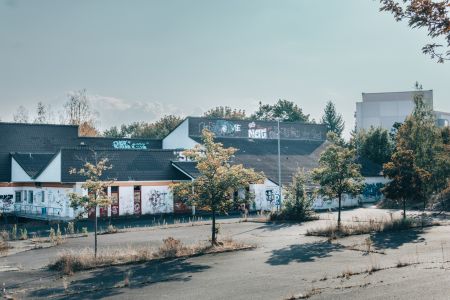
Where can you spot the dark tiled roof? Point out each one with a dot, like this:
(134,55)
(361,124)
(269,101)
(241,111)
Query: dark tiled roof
(33,163)
(187,167)
(262,155)
(32,138)
(49,138)
(127,165)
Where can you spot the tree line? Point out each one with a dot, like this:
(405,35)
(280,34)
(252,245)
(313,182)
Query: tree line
(77,110)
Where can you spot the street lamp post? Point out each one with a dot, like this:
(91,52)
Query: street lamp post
(279,163)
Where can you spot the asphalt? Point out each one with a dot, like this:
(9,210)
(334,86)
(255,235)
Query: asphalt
(285,263)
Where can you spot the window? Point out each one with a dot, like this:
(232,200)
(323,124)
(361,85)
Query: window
(42,196)
(30,197)
(25,198)
(18,197)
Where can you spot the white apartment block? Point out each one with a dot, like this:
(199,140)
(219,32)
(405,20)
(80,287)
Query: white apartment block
(385,109)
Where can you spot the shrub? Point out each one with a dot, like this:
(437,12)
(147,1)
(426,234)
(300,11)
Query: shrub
(111,229)
(84,231)
(51,234)
(4,235)
(23,234)
(14,232)
(298,204)
(170,248)
(70,228)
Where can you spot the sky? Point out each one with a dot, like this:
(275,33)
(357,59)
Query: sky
(140,60)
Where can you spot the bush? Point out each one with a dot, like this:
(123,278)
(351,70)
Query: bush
(84,231)
(23,234)
(14,232)
(70,228)
(111,229)
(298,204)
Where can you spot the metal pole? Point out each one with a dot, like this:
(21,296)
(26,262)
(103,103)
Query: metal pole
(279,164)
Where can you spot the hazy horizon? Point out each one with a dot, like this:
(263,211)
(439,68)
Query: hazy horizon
(142,60)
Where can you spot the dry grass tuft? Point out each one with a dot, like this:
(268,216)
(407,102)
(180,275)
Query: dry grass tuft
(333,231)
(71,261)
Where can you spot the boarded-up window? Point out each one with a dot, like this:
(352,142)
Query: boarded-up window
(115,201)
(137,200)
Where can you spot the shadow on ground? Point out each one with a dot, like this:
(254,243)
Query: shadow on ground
(112,281)
(395,239)
(303,253)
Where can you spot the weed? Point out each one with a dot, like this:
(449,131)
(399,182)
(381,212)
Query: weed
(14,232)
(70,228)
(23,234)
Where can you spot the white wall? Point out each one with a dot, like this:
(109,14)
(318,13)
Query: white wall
(56,200)
(6,202)
(52,172)
(126,200)
(179,138)
(17,173)
(156,200)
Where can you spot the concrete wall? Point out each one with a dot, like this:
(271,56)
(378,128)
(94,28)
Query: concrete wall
(384,109)
(54,200)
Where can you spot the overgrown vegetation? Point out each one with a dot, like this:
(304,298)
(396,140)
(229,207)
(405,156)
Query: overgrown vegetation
(297,205)
(371,226)
(70,261)
(218,179)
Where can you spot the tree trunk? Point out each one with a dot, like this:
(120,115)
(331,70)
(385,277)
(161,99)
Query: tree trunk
(213,236)
(95,234)
(339,211)
(404,209)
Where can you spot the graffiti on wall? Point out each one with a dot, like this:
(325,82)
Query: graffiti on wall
(258,129)
(6,198)
(273,197)
(157,200)
(124,144)
(372,190)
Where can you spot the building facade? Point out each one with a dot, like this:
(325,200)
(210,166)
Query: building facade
(385,109)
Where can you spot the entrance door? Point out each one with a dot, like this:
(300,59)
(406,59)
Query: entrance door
(137,200)
(115,201)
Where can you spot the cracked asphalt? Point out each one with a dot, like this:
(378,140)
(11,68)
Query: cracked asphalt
(411,264)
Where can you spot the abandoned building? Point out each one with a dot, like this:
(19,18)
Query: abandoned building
(35,164)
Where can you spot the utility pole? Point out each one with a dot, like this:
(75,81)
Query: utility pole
(279,163)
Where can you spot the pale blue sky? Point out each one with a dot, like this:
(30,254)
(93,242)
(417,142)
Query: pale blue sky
(141,59)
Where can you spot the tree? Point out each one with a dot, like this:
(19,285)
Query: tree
(156,130)
(338,174)
(225,112)
(374,145)
(218,179)
(433,15)
(406,178)
(78,111)
(285,110)
(97,189)
(420,134)
(43,114)
(332,119)
(297,205)
(21,115)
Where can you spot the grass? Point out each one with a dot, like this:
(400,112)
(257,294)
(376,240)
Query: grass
(70,261)
(332,231)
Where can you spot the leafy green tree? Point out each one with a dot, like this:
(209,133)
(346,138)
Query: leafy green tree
(338,174)
(297,204)
(433,15)
(374,145)
(156,130)
(332,119)
(97,190)
(214,188)
(407,180)
(420,134)
(285,110)
(225,112)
